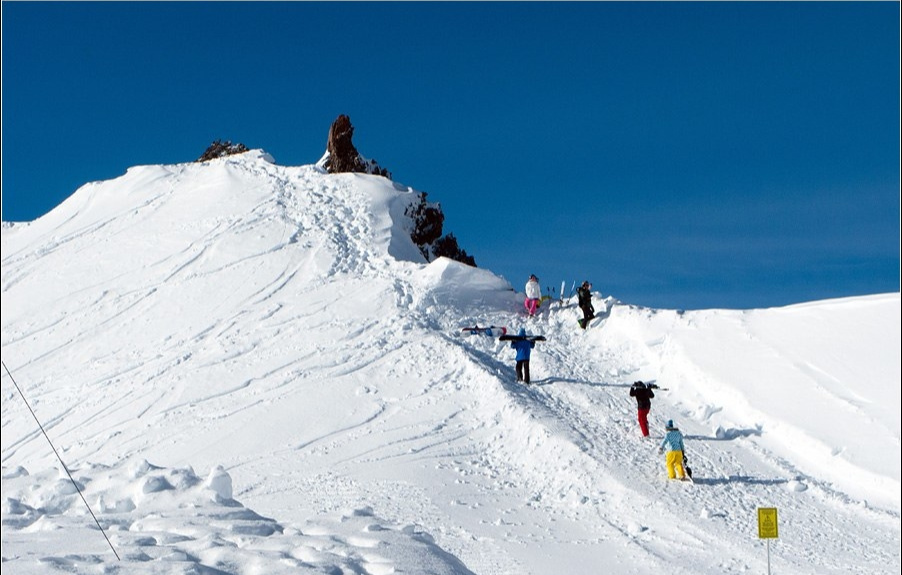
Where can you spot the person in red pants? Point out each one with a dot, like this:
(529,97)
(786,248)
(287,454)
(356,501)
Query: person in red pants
(643,394)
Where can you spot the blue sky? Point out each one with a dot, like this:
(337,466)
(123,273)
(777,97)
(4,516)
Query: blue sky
(677,155)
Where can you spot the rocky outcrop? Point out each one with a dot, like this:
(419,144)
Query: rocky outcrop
(428,221)
(219,149)
(341,155)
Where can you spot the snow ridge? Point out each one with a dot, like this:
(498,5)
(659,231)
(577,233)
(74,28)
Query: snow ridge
(276,325)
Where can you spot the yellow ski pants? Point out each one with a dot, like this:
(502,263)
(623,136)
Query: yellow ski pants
(674,460)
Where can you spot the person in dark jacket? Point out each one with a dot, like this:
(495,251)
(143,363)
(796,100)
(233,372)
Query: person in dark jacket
(584,295)
(524,348)
(643,394)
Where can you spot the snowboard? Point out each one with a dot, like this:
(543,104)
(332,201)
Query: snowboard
(687,469)
(522,337)
(594,320)
(491,330)
(686,479)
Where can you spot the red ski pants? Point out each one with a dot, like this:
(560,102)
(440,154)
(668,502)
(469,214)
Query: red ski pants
(643,421)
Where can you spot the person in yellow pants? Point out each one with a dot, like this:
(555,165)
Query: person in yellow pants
(672,445)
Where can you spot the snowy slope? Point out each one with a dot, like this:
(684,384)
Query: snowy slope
(249,368)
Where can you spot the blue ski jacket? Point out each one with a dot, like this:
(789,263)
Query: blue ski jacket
(523,347)
(673,440)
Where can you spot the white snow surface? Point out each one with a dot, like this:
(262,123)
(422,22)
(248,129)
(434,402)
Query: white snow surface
(240,367)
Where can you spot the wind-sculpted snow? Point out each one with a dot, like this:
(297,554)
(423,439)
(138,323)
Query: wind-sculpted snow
(166,521)
(276,326)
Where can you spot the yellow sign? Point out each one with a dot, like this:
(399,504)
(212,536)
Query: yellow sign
(767,523)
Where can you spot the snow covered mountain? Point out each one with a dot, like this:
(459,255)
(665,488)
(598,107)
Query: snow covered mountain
(250,368)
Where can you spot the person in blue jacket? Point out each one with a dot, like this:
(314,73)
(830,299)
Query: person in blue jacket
(524,348)
(673,445)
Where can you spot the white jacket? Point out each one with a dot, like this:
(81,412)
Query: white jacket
(533,291)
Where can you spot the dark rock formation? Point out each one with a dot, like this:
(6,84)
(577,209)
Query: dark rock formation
(428,220)
(447,247)
(219,149)
(342,156)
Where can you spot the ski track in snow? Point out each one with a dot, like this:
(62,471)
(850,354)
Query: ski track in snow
(277,322)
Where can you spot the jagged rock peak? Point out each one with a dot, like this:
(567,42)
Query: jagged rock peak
(219,149)
(341,155)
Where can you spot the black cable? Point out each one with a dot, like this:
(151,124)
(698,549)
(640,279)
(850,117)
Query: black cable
(80,494)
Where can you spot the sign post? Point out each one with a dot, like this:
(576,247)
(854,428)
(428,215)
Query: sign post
(767,528)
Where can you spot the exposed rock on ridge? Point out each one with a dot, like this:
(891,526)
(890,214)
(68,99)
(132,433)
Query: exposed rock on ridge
(219,149)
(428,220)
(341,155)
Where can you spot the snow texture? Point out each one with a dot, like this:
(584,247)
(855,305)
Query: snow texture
(249,368)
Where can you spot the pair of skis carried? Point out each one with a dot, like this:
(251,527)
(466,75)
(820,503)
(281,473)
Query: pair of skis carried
(490,331)
(522,337)
(500,332)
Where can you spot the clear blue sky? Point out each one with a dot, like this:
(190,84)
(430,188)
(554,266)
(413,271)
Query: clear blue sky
(677,155)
